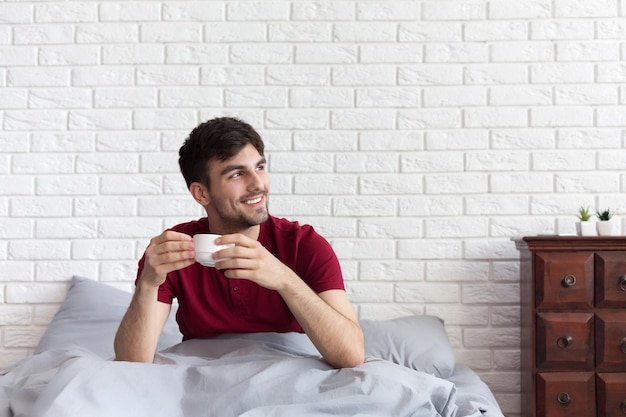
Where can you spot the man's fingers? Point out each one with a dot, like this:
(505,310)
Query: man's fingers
(170,235)
(175,256)
(233,252)
(170,251)
(166,268)
(167,252)
(174,246)
(170,241)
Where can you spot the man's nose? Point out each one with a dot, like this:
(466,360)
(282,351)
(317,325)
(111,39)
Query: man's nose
(256,181)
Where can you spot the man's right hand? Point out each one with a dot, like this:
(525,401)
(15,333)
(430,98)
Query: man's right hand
(137,337)
(167,252)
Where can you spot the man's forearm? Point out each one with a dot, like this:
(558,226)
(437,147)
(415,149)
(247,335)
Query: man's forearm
(338,338)
(137,335)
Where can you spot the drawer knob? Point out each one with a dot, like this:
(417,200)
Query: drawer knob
(622,347)
(622,283)
(564,398)
(563,342)
(570,280)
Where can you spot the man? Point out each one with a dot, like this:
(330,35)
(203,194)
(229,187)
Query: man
(279,277)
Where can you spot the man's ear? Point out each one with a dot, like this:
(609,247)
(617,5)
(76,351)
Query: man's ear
(200,193)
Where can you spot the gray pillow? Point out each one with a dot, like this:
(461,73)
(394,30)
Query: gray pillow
(91,312)
(89,317)
(417,342)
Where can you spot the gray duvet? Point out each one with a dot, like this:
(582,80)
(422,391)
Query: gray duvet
(237,375)
(410,371)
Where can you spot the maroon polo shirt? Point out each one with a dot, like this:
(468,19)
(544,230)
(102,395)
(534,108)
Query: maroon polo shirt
(211,304)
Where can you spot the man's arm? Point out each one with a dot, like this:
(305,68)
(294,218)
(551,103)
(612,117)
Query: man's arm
(139,331)
(329,321)
(327,318)
(138,335)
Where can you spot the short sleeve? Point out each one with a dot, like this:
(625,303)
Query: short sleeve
(317,262)
(166,292)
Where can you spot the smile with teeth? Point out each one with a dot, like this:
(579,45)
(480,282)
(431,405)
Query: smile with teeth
(254,200)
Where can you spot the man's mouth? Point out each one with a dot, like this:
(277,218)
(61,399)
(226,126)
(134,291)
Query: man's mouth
(255,200)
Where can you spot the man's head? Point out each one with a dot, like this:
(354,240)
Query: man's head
(217,139)
(225,170)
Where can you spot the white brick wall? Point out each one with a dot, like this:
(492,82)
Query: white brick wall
(418,136)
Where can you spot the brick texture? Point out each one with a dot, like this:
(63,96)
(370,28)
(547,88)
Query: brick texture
(417,136)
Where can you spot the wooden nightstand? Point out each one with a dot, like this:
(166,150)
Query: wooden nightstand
(573,326)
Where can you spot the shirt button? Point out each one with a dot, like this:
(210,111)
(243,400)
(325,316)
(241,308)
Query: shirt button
(235,288)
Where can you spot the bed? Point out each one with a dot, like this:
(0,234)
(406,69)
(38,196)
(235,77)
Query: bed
(409,371)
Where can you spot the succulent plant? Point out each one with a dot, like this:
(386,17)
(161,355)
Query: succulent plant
(605,215)
(584,214)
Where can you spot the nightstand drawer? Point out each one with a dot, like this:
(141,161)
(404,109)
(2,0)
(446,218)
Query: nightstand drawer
(566,394)
(611,279)
(564,280)
(565,340)
(611,395)
(610,330)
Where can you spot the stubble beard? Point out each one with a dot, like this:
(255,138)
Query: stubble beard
(241,221)
(261,215)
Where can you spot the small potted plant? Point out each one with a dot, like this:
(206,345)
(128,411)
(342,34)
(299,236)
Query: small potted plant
(604,225)
(585,227)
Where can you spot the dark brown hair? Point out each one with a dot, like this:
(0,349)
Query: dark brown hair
(216,139)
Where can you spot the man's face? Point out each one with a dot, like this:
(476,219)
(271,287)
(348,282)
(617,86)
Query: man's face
(238,191)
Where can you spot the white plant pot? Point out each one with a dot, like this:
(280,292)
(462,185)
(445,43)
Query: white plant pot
(586,229)
(604,228)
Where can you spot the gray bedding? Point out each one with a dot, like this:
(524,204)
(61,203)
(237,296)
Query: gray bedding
(265,374)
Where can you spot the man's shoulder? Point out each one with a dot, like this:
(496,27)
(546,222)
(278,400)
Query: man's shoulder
(287,232)
(282,225)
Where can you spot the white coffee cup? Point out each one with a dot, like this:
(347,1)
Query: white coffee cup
(205,247)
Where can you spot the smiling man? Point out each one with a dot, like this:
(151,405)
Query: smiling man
(279,277)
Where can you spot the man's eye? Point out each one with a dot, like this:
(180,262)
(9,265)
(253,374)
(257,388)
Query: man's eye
(260,168)
(236,175)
